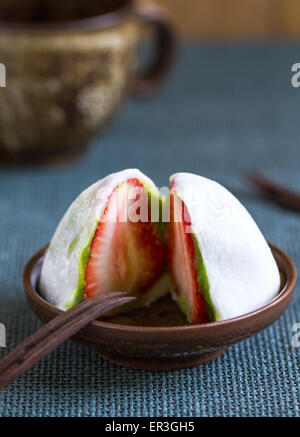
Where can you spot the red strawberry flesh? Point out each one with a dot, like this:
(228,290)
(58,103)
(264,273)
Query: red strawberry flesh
(183,262)
(125,255)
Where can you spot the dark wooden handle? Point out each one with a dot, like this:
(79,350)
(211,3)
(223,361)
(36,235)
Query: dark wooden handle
(165,42)
(274,191)
(58,330)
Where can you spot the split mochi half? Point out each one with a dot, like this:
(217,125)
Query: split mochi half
(106,241)
(221,265)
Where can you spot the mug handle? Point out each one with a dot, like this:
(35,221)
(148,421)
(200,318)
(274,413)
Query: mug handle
(165,42)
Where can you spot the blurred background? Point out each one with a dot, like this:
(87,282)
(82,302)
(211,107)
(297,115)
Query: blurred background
(235,19)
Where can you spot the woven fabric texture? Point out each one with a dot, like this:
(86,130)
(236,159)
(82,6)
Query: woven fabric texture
(225,110)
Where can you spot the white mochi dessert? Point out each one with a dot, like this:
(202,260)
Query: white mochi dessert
(219,262)
(221,265)
(97,249)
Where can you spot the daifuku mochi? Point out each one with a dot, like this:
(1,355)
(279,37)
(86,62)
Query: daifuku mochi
(221,265)
(219,262)
(97,249)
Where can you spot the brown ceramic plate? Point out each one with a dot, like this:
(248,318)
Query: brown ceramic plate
(158,338)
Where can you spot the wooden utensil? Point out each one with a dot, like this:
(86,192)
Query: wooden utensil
(51,335)
(274,191)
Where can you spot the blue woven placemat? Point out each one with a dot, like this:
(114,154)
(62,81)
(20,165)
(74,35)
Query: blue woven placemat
(225,110)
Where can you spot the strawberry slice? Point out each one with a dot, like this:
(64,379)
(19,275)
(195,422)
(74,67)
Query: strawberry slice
(127,252)
(183,263)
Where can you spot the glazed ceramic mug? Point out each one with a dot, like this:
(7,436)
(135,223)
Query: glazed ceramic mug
(69,66)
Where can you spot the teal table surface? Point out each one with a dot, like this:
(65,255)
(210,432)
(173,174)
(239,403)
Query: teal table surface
(226,109)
